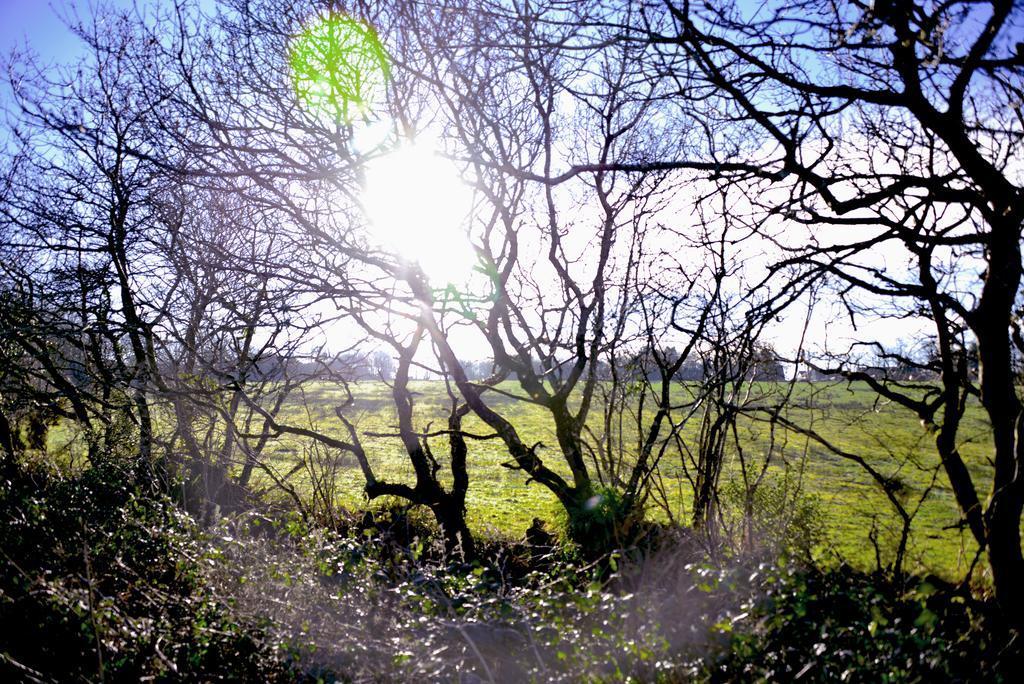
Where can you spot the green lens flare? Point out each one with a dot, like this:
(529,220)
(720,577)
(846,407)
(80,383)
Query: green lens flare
(339,69)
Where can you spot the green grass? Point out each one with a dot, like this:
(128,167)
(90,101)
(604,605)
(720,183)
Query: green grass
(849,501)
(498,498)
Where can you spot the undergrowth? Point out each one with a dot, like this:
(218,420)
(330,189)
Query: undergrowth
(844,625)
(102,582)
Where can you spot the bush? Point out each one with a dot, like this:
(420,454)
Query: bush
(102,582)
(775,522)
(849,626)
(361,606)
(603,523)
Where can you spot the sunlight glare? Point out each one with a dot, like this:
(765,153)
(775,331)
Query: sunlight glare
(418,208)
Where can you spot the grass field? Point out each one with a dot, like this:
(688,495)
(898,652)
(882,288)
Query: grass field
(849,502)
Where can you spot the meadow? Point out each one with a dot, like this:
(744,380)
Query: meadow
(847,507)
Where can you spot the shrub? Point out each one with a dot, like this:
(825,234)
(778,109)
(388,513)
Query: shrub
(606,521)
(773,522)
(102,582)
(849,626)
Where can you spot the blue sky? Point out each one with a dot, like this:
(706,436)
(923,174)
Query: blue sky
(38,23)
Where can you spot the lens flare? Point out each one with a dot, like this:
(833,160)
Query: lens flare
(339,69)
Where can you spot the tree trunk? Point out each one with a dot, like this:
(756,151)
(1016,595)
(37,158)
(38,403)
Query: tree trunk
(991,324)
(1004,554)
(458,541)
(10,454)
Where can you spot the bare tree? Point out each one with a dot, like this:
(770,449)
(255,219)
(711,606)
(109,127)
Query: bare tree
(893,133)
(78,215)
(228,326)
(237,126)
(562,132)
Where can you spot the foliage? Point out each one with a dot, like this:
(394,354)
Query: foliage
(364,606)
(377,604)
(101,582)
(772,521)
(603,522)
(846,625)
(126,583)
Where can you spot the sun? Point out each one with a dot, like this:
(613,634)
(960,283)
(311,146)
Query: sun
(418,207)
